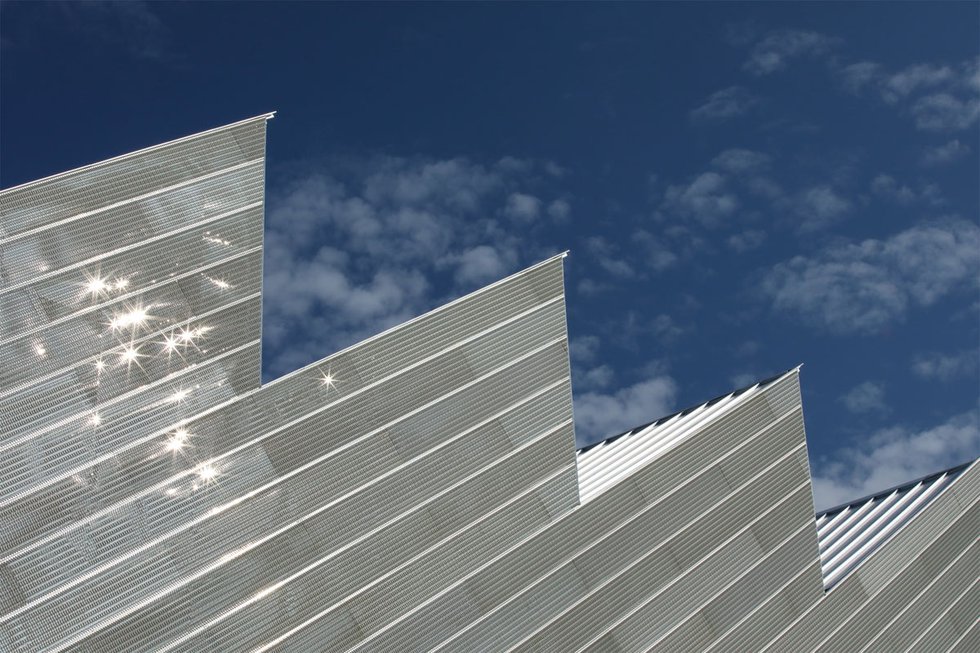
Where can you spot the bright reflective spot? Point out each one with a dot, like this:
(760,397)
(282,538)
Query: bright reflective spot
(132,319)
(178,396)
(169,344)
(99,365)
(129,355)
(39,349)
(328,379)
(178,440)
(43,267)
(215,239)
(207,472)
(95,419)
(221,283)
(121,284)
(171,491)
(96,286)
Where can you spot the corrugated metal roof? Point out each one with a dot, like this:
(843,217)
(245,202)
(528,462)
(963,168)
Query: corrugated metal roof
(848,534)
(604,463)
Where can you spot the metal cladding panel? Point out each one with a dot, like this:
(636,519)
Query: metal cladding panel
(50,202)
(940,532)
(419,490)
(917,615)
(769,618)
(956,628)
(892,599)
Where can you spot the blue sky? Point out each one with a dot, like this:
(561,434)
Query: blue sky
(743,187)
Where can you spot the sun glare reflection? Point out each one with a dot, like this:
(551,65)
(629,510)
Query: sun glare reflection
(328,380)
(133,319)
(178,440)
(178,396)
(220,283)
(208,473)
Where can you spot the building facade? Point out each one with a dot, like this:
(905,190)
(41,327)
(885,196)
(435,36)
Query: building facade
(420,490)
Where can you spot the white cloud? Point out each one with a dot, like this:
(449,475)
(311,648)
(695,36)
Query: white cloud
(744,379)
(590,287)
(773,52)
(938,97)
(609,257)
(599,415)
(862,287)
(706,199)
(656,255)
(359,246)
(596,377)
(947,153)
(893,456)
(747,240)
(738,160)
(481,264)
(559,210)
(946,367)
(665,329)
(886,187)
(857,76)
(583,349)
(724,104)
(521,206)
(945,112)
(867,397)
(819,207)
(914,78)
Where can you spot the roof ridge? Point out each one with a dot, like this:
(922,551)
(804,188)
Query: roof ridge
(927,478)
(689,409)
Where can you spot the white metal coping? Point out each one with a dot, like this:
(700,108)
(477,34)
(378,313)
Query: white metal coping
(848,535)
(605,463)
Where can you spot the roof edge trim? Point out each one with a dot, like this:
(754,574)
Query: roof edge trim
(89,166)
(909,483)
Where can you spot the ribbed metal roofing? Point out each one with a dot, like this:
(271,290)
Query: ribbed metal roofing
(848,534)
(604,463)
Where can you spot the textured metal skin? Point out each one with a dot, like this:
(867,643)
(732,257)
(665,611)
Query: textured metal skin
(417,491)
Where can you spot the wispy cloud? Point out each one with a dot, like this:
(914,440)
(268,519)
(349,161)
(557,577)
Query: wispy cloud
(945,112)
(724,104)
(705,199)
(863,287)
(867,397)
(946,367)
(949,152)
(355,247)
(746,241)
(583,349)
(523,206)
(778,47)
(741,161)
(609,257)
(893,456)
(887,187)
(938,97)
(819,207)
